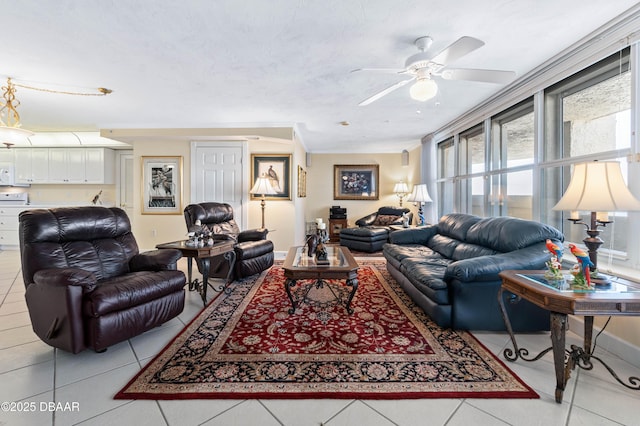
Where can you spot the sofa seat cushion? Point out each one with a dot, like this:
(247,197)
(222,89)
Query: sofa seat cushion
(365,234)
(427,275)
(401,252)
(133,289)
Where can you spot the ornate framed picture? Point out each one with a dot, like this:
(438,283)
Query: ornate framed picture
(302,182)
(161,185)
(277,167)
(356,182)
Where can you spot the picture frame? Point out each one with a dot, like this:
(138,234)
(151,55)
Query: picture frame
(161,186)
(356,182)
(278,168)
(302,182)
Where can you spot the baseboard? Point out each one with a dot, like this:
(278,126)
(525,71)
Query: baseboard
(611,343)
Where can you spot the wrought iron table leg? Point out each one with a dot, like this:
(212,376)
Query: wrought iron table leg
(192,285)
(558,332)
(353,283)
(287,286)
(205,264)
(230,257)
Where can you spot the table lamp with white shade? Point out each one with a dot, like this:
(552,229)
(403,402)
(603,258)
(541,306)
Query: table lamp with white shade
(597,187)
(420,195)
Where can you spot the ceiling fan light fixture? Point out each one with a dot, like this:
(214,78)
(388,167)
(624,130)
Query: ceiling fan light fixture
(10,130)
(423,89)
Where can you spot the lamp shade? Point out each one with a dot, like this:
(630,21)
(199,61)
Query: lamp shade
(420,194)
(597,186)
(262,186)
(401,188)
(423,90)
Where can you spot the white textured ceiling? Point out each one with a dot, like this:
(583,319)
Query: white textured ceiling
(233,63)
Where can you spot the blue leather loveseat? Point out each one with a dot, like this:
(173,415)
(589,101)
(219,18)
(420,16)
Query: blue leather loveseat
(450,269)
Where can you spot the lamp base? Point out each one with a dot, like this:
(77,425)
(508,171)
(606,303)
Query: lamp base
(601,279)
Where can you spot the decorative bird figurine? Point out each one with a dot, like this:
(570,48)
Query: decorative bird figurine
(584,260)
(554,249)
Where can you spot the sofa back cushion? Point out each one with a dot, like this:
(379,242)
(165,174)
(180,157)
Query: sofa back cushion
(505,234)
(456,225)
(218,217)
(95,239)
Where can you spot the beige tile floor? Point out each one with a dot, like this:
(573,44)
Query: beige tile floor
(31,371)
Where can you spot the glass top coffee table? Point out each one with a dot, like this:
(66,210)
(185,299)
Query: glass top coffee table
(299,266)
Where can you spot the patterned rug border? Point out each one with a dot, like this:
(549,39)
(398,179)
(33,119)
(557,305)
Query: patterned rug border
(372,393)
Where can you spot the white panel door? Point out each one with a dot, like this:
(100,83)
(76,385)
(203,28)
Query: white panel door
(217,173)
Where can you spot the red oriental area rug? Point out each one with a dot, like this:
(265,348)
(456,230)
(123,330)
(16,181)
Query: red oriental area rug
(247,345)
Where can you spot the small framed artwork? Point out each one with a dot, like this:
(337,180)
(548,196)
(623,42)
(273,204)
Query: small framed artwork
(302,182)
(355,182)
(277,167)
(161,185)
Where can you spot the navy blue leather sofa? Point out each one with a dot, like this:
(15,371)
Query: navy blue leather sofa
(450,269)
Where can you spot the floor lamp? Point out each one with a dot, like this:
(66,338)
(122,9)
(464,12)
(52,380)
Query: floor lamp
(261,188)
(597,187)
(420,195)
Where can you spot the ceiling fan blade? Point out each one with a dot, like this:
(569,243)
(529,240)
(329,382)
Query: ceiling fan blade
(381,70)
(457,49)
(385,92)
(487,76)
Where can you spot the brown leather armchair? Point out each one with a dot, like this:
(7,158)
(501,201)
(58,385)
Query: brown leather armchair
(86,283)
(254,253)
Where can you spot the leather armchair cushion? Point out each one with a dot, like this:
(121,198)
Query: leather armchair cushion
(126,291)
(253,235)
(251,249)
(155,260)
(65,277)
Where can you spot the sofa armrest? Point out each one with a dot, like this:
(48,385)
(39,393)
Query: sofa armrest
(253,235)
(367,220)
(65,277)
(155,260)
(487,268)
(420,235)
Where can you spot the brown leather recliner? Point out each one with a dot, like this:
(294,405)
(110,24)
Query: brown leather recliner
(254,253)
(86,283)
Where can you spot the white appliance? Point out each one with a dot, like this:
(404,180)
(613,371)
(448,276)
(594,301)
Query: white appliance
(14,198)
(7,174)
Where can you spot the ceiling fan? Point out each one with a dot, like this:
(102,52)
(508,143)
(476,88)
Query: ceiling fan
(424,65)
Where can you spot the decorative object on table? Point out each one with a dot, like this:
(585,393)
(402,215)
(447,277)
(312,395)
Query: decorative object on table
(262,187)
(321,233)
(597,187)
(161,186)
(96,199)
(554,265)
(302,182)
(277,168)
(312,243)
(356,182)
(199,235)
(405,220)
(401,189)
(325,353)
(321,254)
(419,196)
(584,262)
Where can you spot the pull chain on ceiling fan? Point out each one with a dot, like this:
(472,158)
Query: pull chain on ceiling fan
(423,66)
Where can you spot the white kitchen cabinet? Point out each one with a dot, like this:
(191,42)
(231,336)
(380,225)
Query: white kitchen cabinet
(9,225)
(65,165)
(32,165)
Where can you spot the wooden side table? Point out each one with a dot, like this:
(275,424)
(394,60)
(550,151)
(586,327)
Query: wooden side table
(621,297)
(335,225)
(203,256)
